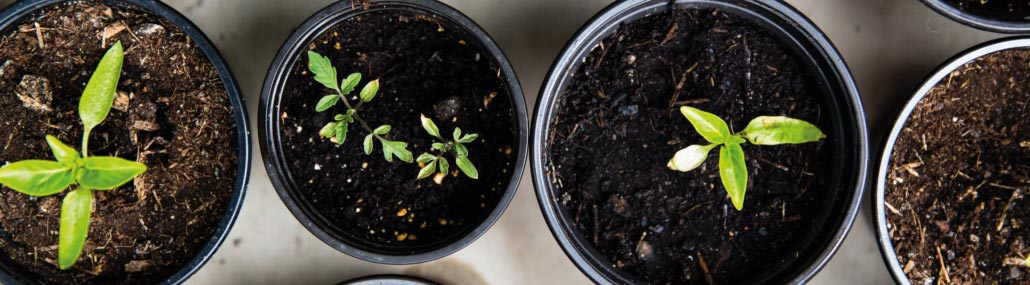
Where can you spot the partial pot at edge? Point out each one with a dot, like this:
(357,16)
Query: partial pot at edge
(813,49)
(977,21)
(942,72)
(272,145)
(14,13)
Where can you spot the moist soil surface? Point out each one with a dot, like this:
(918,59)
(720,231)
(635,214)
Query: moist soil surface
(959,174)
(619,123)
(172,113)
(1005,10)
(425,66)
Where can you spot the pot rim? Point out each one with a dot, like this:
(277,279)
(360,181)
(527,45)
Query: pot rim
(271,144)
(15,12)
(388,279)
(610,18)
(979,22)
(879,209)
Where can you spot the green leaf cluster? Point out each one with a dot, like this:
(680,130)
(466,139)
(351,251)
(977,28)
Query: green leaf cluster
(45,177)
(437,163)
(763,130)
(337,129)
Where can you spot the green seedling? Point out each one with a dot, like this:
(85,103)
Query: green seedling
(436,162)
(44,178)
(763,130)
(336,131)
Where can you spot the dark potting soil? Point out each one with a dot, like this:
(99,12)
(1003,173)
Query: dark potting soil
(619,123)
(1005,10)
(959,176)
(425,66)
(172,114)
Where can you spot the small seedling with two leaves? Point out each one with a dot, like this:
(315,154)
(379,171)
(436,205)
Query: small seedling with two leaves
(44,178)
(336,131)
(763,130)
(437,163)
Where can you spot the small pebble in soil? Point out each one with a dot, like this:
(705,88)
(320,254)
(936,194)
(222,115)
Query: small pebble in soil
(447,109)
(318,167)
(629,110)
(34,93)
(402,212)
(149,29)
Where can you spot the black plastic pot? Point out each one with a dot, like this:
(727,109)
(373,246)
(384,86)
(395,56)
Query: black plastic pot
(272,146)
(879,209)
(14,13)
(976,21)
(389,280)
(812,48)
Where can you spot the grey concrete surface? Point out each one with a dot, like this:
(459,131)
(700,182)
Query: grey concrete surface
(890,45)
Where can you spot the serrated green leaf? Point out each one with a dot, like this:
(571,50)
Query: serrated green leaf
(733,172)
(468,138)
(328,131)
(397,149)
(327,101)
(427,170)
(323,69)
(98,96)
(430,127)
(708,125)
(368,144)
(369,91)
(382,130)
(425,158)
(74,226)
(444,165)
(106,172)
(461,150)
(62,152)
(768,130)
(348,84)
(691,157)
(457,133)
(37,177)
(466,167)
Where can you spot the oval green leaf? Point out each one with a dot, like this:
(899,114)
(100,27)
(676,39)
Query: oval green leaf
(430,127)
(427,170)
(75,212)
(457,134)
(733,171)
(382,130)
(466,167)
(327,101)
(468,138)
(369,91)
(37,177)
(323,69)
(98,96)
(689,158)
(348,84)
(328,130)
(767,130)
(368,144)
(708,125)
(461,150)
(105,172)
(62,152)
(444,165)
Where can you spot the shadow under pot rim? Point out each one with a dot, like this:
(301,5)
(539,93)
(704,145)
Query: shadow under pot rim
(500,140)
(838,98)
(941,74)
(978,21)
(18,11)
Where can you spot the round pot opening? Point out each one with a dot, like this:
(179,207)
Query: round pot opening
(842,117)
(984,16)
(231,169)
(973,227)
(341,32)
